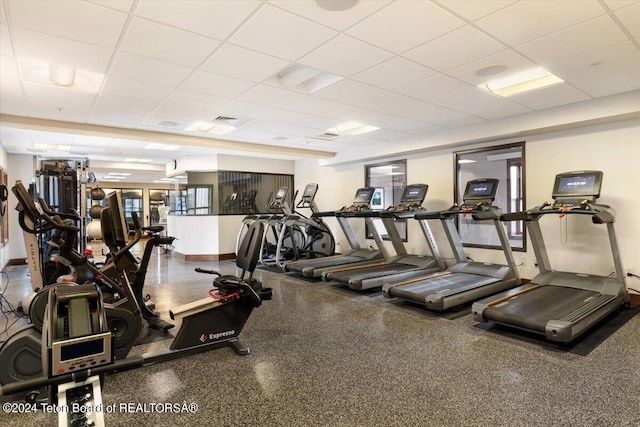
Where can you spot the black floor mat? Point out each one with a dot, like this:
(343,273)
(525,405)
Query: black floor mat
(581,346)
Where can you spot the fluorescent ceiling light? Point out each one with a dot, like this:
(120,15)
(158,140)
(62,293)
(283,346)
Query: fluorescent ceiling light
(525,81)
(305,79)
(53,147)
(57,75)
(133,160)
(504,156)
(211,127)
(463,161)
(352,128)
(157,146)
(118,174)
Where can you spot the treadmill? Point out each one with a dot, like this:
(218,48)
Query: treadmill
(561,305)
(464,281)
(356,254)
(402,266)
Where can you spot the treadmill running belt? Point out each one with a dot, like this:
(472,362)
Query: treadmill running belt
(532,310)
(322,262)
(449,284)
(356,276)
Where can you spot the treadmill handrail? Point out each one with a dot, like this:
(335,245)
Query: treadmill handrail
(601,214)
(479,212)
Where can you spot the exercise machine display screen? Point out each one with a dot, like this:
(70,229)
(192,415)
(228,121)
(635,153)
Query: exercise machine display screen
(414,193)
(481,189)
(364,195)
(282,193)
(585,184)
(309,191)
(81,349)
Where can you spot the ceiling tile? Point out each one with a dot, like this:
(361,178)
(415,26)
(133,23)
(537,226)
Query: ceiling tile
(266,126)
(394,73)
(300,131)
(215,19)
(36,93)
(315,105)
(433,87)
(528,20)
(6,49)
(58,111)
(553,96)
(605,60)
(216,84)
(457,48)
(279,33)
(352,113)
(322,123)
(244,109)
(288,117)
(396,123)
(577,40)
(189,99)
(388,102)
(339,21)
(57,50)
(169,44)
(348,92)
(479,103)
(618,4)
(630,18)
(3,17)
(74,20)
(270,96)
(437,115)
(174,112)
(512,60)
(133,89)
(112,102)
(472,10)
(609,83)
(404,25)
(244,63)
(344,56)
(123,5)
(391,135)
(116,116)
(148,70)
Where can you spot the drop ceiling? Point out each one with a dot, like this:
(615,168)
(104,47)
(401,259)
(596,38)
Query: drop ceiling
(407,67)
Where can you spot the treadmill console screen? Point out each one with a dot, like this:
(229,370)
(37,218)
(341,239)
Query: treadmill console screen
(282,193)
(310,191)
(363,195)
(481,189)
(581,184)
(414,194)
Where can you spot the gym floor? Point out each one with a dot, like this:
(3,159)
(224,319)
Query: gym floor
(323,355)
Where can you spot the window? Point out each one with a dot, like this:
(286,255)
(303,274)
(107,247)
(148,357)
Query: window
(506,163)
(249,192)
(158,206)
(199,199)
(389,180)
(132,202)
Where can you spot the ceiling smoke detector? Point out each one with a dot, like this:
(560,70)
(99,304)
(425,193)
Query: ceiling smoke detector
(336,5)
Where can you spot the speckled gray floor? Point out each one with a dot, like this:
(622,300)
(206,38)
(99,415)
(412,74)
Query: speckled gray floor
(327,356)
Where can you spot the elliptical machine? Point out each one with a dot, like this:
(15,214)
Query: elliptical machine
(20,354)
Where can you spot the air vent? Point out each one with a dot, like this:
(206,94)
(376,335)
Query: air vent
(280,138)
(225,119)
(327,136)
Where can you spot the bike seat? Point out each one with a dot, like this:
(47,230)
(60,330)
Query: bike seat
(153,229)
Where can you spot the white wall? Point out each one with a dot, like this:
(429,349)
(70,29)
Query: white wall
(612,148)
(19,167)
